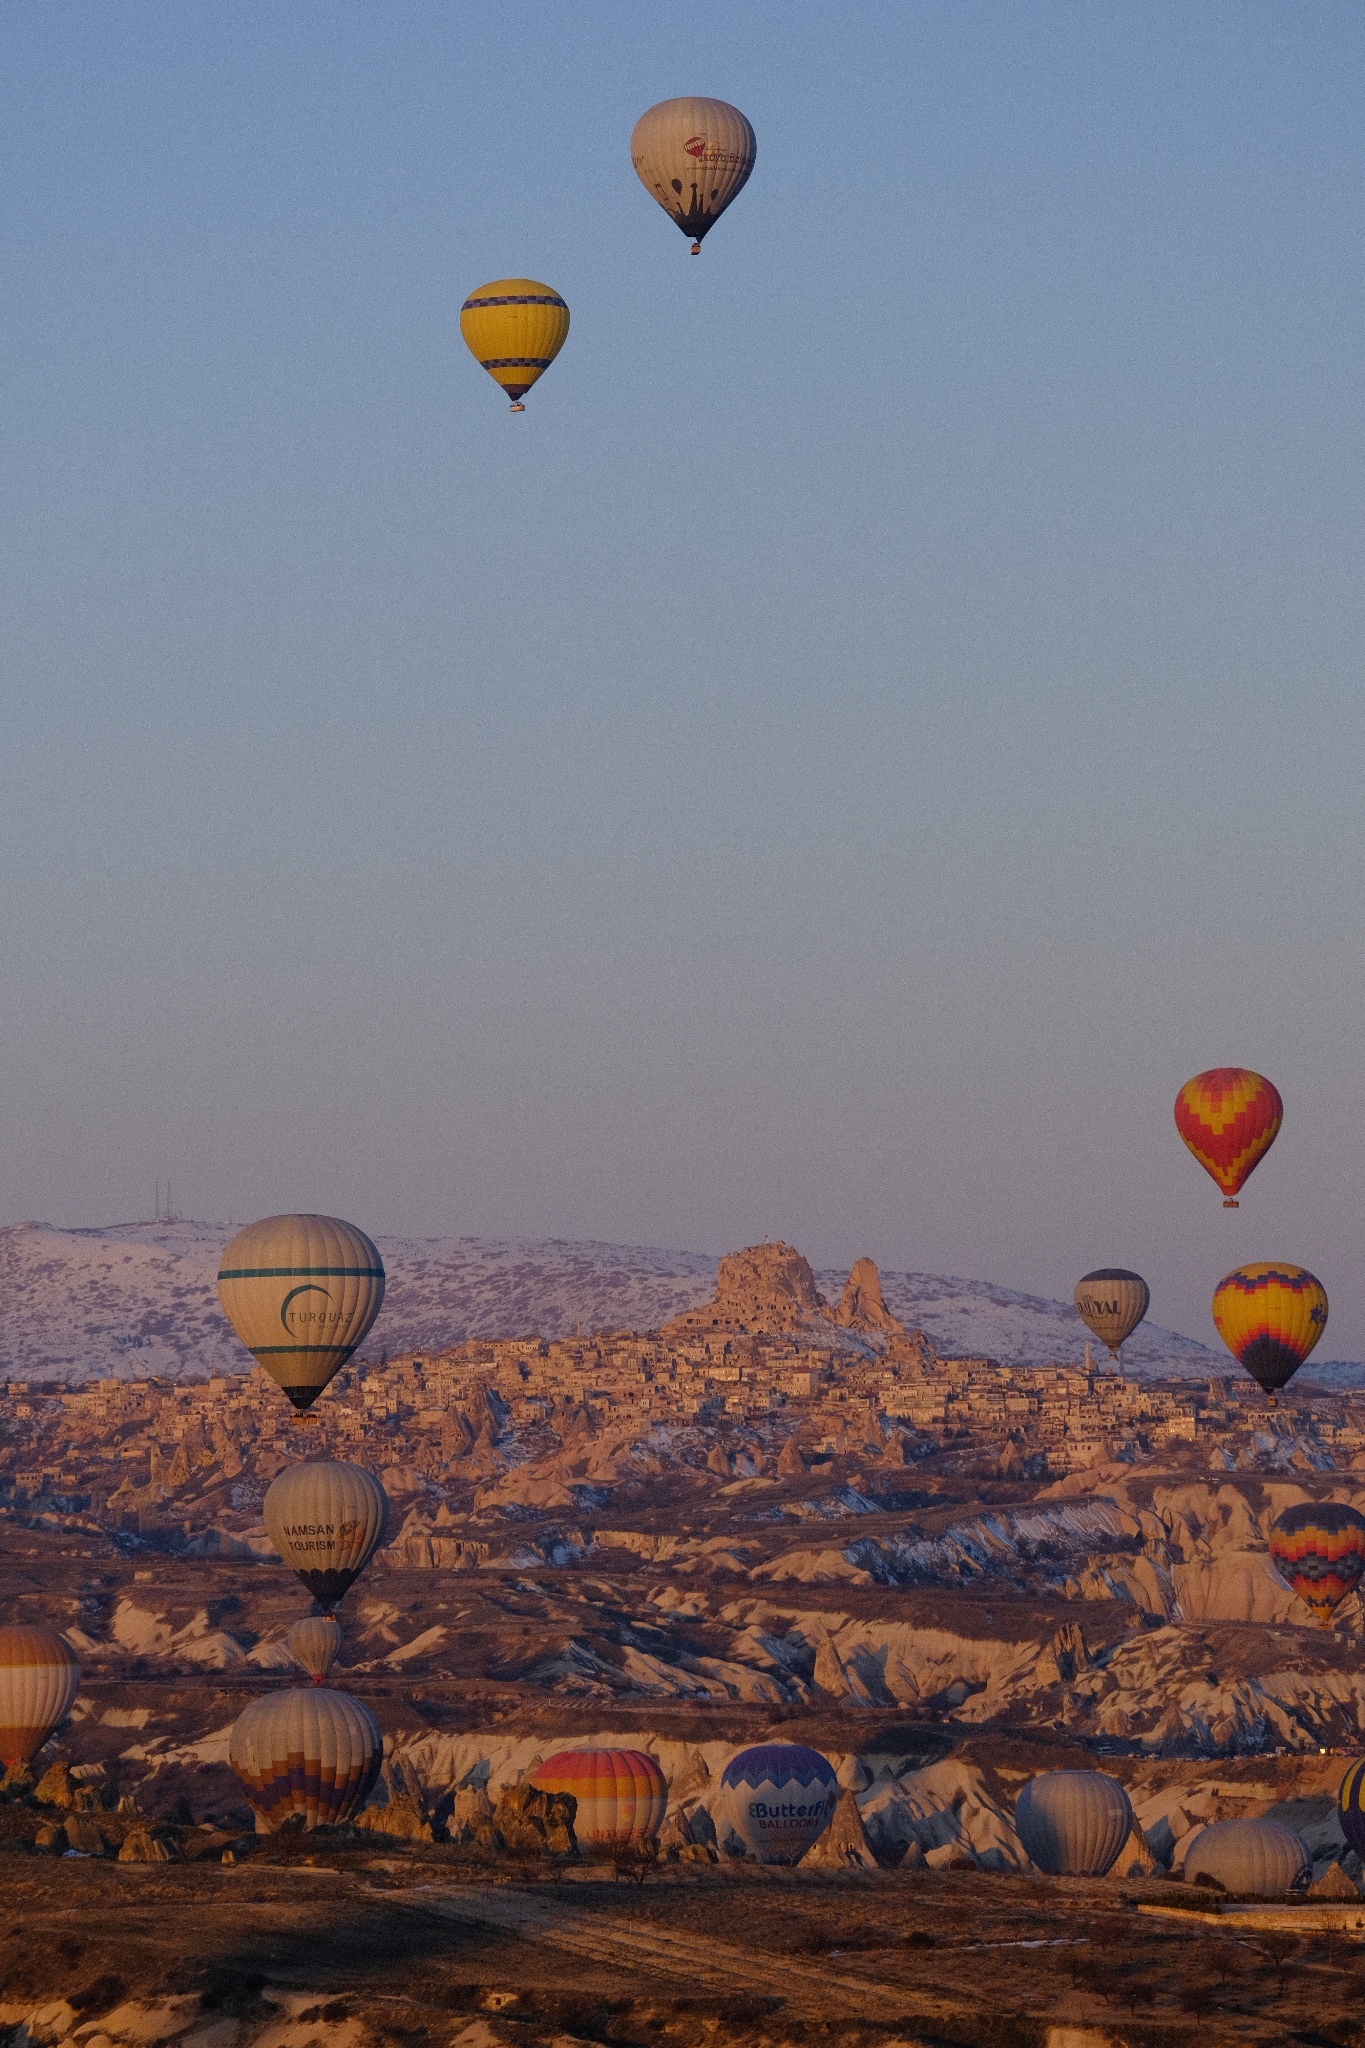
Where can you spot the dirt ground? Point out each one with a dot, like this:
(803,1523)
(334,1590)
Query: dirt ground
(325,1944)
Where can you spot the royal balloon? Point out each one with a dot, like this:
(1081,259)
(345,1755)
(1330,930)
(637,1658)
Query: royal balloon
(1111,1302)
(302,1292)
(1229,1118)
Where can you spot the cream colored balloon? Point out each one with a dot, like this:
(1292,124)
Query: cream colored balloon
(38,1680)
(694,156)
(309,1752)
(1112,1302)
(313,1644)
(301,1292)
(326,1519)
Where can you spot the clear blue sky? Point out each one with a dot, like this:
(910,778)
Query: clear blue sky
(888,713)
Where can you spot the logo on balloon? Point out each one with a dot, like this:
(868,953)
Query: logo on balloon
(291,1322)
(695,145)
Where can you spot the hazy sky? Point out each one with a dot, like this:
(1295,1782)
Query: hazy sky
(888,712)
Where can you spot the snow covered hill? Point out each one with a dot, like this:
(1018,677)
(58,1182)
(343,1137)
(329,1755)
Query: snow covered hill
(137,1299)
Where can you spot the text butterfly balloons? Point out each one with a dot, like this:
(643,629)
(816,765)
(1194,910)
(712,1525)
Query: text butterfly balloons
(301,1292)
(694,157)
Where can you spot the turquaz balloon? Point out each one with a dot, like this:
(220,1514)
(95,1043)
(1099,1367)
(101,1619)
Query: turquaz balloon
(514,328)
(306,1752)
(779,1798)
(1319,1552)
(1112,1302)
(38,1680)
(326,1519)
(1073,1823)
(301,1292)
(1260,1857)
(622,1795)
(313,1644)
(1229,1118)
(694,156)
(1270,1316)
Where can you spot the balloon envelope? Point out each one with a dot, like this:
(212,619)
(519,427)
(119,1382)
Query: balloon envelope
(514,328)
(779,1797)
(1319,1552)
(622,1794)
(1349,1810)
(38,1680)
(694,156)
(1112,1302)
(1270,1315)
(326,1519)
(1262,1857)
(1229,1118)
(1073,1823)
(313,1644)
(307,1751)
(301,1292)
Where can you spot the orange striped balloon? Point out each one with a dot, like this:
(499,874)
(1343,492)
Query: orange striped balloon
(38,1680)
(1270,1316)
(622,1794)
(1229,1118)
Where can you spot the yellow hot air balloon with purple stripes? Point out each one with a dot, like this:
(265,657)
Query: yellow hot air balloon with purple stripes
(514,328)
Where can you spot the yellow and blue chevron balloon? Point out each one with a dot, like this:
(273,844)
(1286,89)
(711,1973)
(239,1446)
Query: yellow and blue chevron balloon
(1319,1552)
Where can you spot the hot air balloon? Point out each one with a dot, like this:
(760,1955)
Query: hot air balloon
(313,1644)
(301,1292)
(326,1519)
(621,1793)
(694,156)
(1319,1552)
(514,328)
(1270,1316)
(1229,1118)
(38,1680)
(779,1797)
(1349,1809)
(1073,1823)
(1112,1302)
(306,1751)
(1260,1857)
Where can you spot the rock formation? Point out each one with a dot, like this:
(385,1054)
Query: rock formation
(767,1287)
(861,1306)
(844,1844)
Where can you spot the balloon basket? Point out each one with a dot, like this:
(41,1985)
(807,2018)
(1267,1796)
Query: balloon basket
(304,1421)
(1231,1202)
(516,406)
(696,248)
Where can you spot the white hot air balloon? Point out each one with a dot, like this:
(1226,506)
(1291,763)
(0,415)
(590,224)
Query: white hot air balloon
(301,1292)
(326,1519)
(1073,1823)
(307,1752)
(313,1644)
(694,156)
(1262,1857)
(38,1680)
(779,1798)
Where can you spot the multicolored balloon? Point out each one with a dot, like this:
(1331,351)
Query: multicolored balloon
(301,1292)
(1270,1315)
(1073,1823)
(1349,1810)
(693,156)
(514,328)
(39,1676)
(1319,1552)
(326,1519)
(622,1794)
(779,1798)
(313,1644)
(1229,1118)
(1112,1302)
(306,1752)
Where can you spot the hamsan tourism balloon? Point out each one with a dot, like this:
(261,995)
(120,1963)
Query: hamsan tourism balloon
(1112,1302)
(514,328)
(326,1519)
(308,1752)
(313,1644)
(622,1794)
(1073,1823)
(1260,1857)
(1319,1552)
(779,1798)
(301,1292)
(1270,1315)
(1229,1118)
(38,1680)
(694,156)
(1350,1812)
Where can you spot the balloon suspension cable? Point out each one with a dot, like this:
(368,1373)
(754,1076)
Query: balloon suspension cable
(696,248)
(1231,1202)
(516,406)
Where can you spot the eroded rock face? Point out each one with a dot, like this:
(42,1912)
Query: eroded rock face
(766,1287)
(861,1306)
(528,1819)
